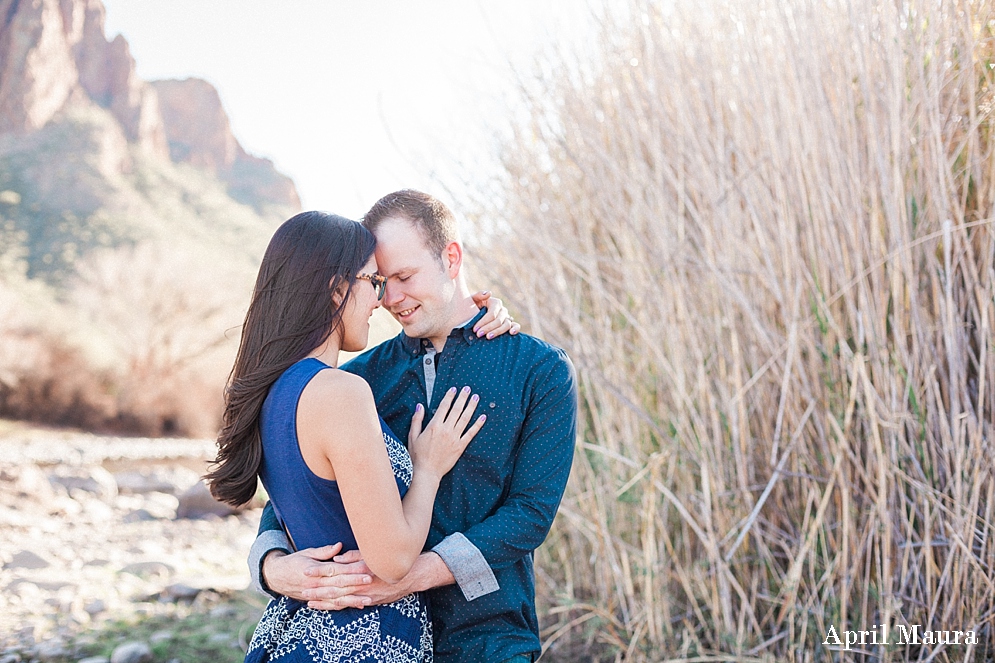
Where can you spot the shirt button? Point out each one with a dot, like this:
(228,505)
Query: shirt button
(428,361)
(493,405)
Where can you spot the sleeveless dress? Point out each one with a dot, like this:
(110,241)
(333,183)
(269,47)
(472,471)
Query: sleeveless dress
(311,510)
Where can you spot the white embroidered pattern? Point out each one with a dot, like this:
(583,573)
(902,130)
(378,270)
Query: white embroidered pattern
(400,460)
(326,641)
(409,606)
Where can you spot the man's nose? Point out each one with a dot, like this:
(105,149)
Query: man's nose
(393,295)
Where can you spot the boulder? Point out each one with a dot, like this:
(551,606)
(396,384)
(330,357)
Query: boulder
(95,480)
(147,569)
(26,559)
(197,502)
(132,652)
(178,592)
(172,481)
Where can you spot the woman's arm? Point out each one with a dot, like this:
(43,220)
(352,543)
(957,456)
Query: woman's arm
(390,533)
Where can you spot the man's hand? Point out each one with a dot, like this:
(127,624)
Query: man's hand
(428,571)
(308,574)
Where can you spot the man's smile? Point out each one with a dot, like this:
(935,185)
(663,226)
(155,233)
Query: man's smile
(404,313)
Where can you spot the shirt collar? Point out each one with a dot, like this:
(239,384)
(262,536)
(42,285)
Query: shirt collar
(417,345)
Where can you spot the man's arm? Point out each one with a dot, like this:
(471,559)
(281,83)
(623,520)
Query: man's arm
(542,466)
(277,571)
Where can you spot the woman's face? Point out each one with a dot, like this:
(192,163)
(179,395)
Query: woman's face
(356,315)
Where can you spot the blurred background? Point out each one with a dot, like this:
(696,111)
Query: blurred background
(762,231)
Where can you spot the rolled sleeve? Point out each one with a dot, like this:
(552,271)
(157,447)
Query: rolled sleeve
(468,566)
(265,543)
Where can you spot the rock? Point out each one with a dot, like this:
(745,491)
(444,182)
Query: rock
(161,505)
(10,658)
(50,649)
(32,481)
(94,659)
(94,480)
(199,133)
(132,652)
(160,636)
(179,592)
(26,559)
(145,569)
(54,53)
(94,607)
(171,481)
(138,515)
(197,502)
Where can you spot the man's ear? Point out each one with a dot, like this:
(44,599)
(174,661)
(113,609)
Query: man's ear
(452,258)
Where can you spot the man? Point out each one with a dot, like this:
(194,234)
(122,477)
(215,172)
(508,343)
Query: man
(496,506)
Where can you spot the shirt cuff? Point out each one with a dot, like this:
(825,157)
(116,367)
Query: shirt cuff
(468,566)
(265,543)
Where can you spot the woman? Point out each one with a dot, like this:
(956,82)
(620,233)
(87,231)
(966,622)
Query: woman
(331,466)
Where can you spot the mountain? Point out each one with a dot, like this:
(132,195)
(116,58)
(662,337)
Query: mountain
(92,156)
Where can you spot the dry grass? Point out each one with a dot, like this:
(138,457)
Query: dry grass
(763,232)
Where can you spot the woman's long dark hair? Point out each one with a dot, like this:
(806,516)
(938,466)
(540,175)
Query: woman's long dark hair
(310,256)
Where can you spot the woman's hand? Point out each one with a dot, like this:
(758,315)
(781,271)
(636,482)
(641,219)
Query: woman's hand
(437,448)
(497,320)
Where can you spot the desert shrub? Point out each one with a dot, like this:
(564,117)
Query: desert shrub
(140,342)
(164,323)
(762,230)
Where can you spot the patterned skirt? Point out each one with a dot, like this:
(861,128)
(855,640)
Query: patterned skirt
(291,632)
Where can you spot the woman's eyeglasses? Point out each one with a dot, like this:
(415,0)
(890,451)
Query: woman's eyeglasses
(379,283)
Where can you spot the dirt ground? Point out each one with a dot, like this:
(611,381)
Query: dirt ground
(90,536)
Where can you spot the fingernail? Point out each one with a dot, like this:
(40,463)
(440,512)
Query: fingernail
(475,398)
(466,389)
(366,601)
(491,335)
(418,408)
(452,390)
(367,579)
(483,417)
(479,334)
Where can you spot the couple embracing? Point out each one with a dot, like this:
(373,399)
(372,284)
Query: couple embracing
(489,418)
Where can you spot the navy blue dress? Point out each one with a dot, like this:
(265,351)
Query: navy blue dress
(312,511)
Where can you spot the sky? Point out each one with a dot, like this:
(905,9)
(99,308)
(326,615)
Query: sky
(356,99)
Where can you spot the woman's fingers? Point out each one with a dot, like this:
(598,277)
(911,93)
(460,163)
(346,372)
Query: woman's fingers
(454,414)
(468,436)
(416,421)
(467,414)
(480,298)
(442,412)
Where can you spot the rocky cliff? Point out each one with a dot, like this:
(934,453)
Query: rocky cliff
(56,60)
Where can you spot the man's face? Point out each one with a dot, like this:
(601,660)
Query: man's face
(420,291)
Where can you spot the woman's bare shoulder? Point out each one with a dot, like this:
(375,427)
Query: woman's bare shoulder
(339,388)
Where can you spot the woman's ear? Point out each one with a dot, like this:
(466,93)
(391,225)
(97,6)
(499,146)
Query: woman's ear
(339,292)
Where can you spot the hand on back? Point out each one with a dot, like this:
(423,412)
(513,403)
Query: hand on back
(437,448)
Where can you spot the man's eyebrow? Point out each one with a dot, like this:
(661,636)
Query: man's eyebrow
(398,272)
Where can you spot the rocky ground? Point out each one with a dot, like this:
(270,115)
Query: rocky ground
(99,535)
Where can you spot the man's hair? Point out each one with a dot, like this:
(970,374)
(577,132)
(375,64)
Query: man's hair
(429,214)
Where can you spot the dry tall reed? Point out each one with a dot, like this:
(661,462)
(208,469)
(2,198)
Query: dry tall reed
(763,232)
